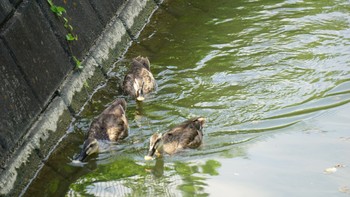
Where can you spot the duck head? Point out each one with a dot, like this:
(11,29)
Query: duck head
(90,146)
(155,146)
(139,90)
(198,123)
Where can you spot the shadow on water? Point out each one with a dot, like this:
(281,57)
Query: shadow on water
(253,69)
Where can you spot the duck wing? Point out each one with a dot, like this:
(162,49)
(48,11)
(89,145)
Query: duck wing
(181,137)
(148,81)
(191,138)
(117,123)
(97,130)
(111,124)
(128,84)
(171,141)
(140,73)
(116,127)
(143,74)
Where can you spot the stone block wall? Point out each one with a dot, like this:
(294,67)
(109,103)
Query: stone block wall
(40,89)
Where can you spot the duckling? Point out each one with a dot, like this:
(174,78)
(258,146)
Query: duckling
(186,135)
(139,80)
(111,125)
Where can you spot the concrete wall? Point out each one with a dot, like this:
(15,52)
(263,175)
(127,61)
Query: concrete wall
(40,91)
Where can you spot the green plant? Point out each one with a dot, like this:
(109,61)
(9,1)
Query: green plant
(70,37)
(59,11)
(77,63)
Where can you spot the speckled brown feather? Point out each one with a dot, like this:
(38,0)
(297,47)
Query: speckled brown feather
(111,124)
(186,135)
(140,72)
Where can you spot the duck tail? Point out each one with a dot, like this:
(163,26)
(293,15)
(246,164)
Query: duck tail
(144,61)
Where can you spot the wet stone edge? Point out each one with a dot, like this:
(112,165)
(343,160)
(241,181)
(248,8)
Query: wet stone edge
(52,124)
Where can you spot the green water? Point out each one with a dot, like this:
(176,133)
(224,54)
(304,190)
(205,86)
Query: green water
(272,79)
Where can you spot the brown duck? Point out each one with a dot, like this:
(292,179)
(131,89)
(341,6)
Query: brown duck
(111,125)
(186,135)
(139,80)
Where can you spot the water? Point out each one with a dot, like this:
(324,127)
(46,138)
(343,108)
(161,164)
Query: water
(271,77)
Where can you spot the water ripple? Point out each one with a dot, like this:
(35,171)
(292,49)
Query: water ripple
(284,64)
(251,69)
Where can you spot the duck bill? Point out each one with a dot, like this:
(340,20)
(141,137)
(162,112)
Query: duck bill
(140,98)
(81,156)
(150,154)
(202,120)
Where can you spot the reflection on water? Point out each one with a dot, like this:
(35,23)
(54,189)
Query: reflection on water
(254,69)
(125,177)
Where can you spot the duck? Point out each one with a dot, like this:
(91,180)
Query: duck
(188,134)
(139,80)
(110,125)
